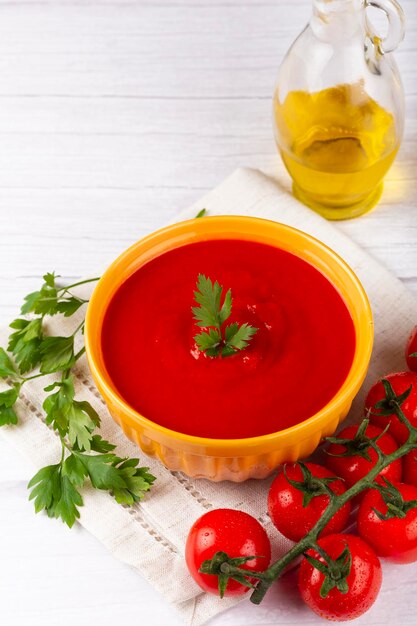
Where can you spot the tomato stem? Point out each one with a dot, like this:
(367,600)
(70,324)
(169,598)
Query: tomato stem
(309,541)
(336,502)
(225,567)
(230,570)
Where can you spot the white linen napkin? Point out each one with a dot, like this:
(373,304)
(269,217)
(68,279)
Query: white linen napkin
(145,536)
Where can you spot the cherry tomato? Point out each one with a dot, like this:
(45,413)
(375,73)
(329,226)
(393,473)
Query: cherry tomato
(364,579)
(410,468)
(353,468)
(285,503)
(394,538)
(411,348)
(226,530)
(400,382)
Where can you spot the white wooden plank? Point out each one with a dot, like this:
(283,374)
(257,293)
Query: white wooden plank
(128,50)
(114,115)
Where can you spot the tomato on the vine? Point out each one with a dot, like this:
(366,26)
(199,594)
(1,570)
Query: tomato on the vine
(411,349)
(400,383)
(294,512)
(233,532)
(356,465)
(395,537)
(410,468)
(351,594)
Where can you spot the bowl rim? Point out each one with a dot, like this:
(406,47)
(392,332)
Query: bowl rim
(343,396)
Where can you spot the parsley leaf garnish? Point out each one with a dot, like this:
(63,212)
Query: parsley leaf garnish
(55,488)
(55,492)
(211,313)
(70,417)
(121,476)
(6,366)
(52,299)
(209,342)
(239,336)
(76,421)
(85,456)
(44,301)
(25,343)
(8,398)
(57,354)
(208,296)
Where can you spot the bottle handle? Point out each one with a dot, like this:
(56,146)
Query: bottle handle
(396,24)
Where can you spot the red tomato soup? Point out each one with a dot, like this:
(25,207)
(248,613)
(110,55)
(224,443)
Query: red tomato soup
(295,363)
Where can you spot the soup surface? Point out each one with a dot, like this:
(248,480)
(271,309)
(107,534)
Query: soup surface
(295,363)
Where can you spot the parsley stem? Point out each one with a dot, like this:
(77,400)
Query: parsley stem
(79,354)
(83,300)
(80,325)
(81,282)
(25,380)
(63,448)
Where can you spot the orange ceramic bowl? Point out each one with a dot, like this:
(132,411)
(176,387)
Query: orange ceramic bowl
(230,459)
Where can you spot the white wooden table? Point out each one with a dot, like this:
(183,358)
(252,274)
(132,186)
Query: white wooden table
(113,117)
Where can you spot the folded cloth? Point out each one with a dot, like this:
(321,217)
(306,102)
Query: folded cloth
(145,536)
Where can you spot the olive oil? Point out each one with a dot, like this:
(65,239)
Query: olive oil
(337,145)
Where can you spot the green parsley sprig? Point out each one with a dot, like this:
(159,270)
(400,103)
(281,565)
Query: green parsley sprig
(212,313)
(85,455)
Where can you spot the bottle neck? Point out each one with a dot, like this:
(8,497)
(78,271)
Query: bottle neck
(327,7)
(334,20)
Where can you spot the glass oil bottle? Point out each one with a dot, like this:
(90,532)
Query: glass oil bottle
(338,107)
